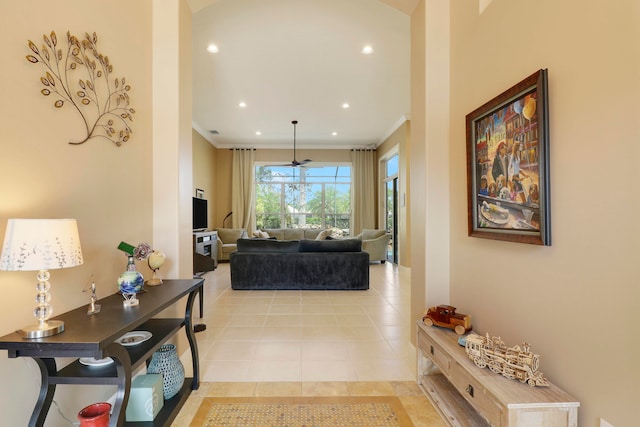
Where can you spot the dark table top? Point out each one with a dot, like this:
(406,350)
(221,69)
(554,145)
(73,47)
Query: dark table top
(88,334)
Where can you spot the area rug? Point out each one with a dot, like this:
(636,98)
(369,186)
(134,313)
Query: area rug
(374,411)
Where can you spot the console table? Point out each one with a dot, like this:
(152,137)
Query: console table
(96,335)
(469,396)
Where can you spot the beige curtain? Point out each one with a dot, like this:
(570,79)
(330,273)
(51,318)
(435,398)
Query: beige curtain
(363,199)
(242,188)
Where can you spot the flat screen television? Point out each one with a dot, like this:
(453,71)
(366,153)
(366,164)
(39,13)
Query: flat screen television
(200,214)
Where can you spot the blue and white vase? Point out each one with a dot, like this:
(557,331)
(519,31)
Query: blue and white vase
(165,361)
(131,281)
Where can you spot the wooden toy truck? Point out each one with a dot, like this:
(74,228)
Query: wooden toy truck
(446,317)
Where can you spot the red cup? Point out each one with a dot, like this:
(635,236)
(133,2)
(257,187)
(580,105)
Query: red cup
(95,415)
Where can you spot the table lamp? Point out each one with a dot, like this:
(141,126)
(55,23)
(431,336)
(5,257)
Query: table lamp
(41,245)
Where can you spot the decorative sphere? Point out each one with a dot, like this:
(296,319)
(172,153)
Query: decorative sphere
(155,260)
(130,282)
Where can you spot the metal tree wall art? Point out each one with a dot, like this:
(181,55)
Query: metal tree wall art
(80,77)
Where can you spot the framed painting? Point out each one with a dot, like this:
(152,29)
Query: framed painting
(508,165)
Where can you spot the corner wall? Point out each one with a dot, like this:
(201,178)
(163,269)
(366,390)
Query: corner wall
(428,155)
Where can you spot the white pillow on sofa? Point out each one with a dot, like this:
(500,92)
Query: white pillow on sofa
(261,234)
(323,234)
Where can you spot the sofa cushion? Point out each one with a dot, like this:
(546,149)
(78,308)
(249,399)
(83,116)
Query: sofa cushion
(267,245)
(372,234)
(227,248)
(346,245)
(312,233)
(230,235)
(293,234)
(278,233)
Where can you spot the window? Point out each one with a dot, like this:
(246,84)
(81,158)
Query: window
(392,167)
(308,197)
(391,205)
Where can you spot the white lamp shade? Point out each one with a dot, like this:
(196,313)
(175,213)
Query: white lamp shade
(40,244)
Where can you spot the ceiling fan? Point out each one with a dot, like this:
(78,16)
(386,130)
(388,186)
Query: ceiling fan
(294,163)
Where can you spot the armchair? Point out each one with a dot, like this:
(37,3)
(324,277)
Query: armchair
(375,242)
(227,241)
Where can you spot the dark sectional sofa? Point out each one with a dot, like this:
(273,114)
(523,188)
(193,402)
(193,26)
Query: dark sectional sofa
(305,264)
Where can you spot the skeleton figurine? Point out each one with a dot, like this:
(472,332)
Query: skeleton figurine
(93,307)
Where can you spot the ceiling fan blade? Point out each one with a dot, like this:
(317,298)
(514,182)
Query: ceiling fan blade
(294,163)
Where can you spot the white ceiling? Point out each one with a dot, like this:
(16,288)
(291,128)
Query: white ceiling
(300,60)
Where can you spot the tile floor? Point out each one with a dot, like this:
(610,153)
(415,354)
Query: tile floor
(307,335)
(296,340)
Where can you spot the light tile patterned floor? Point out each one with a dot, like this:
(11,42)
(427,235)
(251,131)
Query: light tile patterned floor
(307,335)
(266,342)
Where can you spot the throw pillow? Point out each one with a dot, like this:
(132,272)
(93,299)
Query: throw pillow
(264,234)
(323,234)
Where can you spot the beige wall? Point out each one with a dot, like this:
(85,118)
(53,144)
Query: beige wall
(108,189)
(575,302)
(172,152)
(204,173)
(416,156)
(138,192)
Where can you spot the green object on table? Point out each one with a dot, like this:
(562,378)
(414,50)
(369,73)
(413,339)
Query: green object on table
(126,248)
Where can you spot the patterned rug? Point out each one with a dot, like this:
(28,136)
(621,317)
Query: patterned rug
(375,411)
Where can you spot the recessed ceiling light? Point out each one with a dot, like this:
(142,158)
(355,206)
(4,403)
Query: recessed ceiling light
(367,50)
(334,133)
(345,105)
(242,104)
(212,48)
(258,133)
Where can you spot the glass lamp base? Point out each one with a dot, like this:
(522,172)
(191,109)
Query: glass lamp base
(48,328)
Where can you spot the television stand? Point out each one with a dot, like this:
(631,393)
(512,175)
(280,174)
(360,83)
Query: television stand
(206,243)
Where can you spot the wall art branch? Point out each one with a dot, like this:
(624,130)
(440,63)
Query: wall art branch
(80,77)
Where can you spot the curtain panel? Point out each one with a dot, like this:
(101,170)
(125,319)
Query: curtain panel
(242,188)
(363,194)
